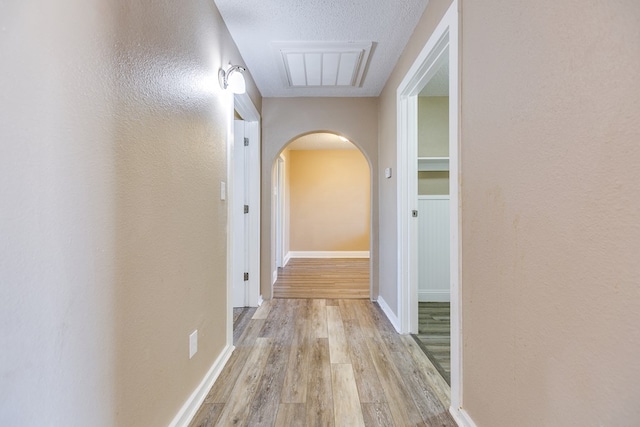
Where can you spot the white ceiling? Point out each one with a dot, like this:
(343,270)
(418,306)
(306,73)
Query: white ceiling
(258,26)
(321,141)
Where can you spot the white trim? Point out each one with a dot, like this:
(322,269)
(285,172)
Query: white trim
(279,192)
(443,295)
(230,224)
(244,106)
(389,313)
(433,164)
(247,110)
(443,39)
(461,417)
(327,254)
(254,212)
(425,66)
(287,258)
(260,300)
(191,406)
(434,197)
(274,277)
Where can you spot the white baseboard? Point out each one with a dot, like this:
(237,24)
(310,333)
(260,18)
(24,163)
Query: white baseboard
(287,257)
(461,417)
(434,296)
(274,277)
(260,300)
(328,254)
(191,406)
(389,313)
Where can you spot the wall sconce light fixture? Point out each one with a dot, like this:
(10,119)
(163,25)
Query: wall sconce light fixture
(233,79)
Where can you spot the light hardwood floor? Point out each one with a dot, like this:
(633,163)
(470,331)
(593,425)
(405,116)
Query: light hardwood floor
(323,278)
(318,362)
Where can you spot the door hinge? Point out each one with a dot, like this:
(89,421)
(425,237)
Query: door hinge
(246,142)
(246,276)
(246,208)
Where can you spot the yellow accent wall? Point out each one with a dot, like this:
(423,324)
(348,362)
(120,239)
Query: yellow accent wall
(329,200)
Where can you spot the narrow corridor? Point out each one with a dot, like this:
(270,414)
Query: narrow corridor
(306,362)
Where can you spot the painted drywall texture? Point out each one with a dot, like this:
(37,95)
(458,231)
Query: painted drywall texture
(433,141)
(113,134)
(433,183)
(330,201)
(354,118)
(433,126)
(551,196)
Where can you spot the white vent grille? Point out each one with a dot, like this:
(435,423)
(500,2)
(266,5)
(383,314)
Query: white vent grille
(319,64)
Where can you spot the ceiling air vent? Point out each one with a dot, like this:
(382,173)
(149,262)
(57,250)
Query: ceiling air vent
(320,64)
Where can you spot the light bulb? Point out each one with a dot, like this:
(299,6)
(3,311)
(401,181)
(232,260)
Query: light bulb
(236,83)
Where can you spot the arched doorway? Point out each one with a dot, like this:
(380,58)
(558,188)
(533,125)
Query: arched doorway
(321,219)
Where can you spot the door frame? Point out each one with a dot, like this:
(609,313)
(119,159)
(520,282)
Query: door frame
(281,256)
(275,181)
(243,104)
(443,39)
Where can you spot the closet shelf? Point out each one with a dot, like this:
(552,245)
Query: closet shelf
(432,164)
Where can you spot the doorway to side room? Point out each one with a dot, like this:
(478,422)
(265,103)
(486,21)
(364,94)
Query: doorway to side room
(244,214)
(434,294)
(440,49)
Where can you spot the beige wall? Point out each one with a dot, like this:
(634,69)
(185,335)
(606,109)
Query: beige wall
(112,148)
(330,203)
(433,183)
(284,119)
(550,198)
(551,195)
(433,126)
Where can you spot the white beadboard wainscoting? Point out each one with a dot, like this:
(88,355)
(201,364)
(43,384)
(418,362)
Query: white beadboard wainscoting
(433,248)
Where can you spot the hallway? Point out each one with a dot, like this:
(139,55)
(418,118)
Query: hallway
(325,362)
(341,278)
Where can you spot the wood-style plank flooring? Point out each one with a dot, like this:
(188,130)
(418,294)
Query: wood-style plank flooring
(340,278)
(325,362)
(434,335)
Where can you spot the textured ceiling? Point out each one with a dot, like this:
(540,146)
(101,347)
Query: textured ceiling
(256,25)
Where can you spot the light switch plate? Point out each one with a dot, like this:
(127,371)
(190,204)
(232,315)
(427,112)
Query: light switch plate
(387,173)
(223,190)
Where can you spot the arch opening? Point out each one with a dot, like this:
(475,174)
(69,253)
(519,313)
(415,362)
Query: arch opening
(321,209)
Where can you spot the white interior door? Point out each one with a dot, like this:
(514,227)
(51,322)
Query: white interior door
(239,198)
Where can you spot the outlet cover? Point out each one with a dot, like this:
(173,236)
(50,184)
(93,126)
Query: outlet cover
(193,343)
